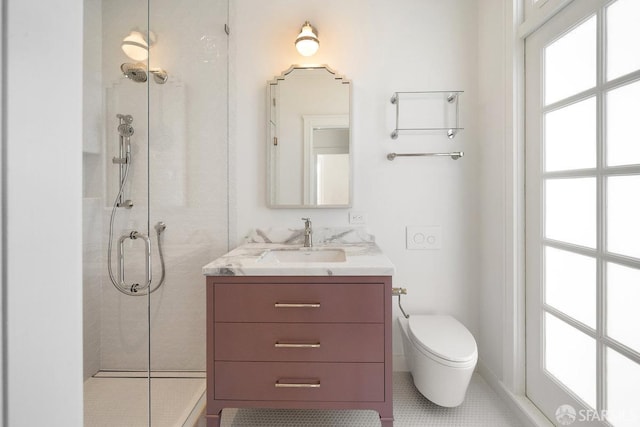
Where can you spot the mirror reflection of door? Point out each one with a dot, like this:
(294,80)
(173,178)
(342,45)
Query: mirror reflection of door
(331,154)
(327,164)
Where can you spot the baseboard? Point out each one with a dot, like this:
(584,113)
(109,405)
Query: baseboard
(527,412)
(400,363)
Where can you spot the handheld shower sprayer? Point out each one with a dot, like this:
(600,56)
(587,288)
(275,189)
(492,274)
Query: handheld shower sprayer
(125,131)
(124,128)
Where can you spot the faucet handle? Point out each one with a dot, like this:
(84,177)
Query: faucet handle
(307,222)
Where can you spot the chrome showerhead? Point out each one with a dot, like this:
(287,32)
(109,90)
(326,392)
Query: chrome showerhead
(159,75)
(136,72)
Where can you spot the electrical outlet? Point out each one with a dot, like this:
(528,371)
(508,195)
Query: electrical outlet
(357,218)
(421,238)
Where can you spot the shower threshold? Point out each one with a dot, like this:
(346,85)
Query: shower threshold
(119,398)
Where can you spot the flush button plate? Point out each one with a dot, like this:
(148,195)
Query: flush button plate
(424,237)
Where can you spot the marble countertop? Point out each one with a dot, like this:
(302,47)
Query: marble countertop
(363,256)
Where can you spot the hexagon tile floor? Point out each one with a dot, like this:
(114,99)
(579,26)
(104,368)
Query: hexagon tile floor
(481,408)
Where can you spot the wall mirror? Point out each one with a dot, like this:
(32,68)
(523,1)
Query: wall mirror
(309,139)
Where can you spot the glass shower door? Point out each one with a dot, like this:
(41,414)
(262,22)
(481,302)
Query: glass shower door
(188,194)
(155,204)
(115,217)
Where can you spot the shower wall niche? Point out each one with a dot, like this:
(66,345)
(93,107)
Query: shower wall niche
(178,175)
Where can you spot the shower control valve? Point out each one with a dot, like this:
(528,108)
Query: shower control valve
(126,204)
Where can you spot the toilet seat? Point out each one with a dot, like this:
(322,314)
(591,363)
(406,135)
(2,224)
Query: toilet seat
(443,339)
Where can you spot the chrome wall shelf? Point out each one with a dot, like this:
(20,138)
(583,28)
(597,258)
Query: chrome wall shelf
(427,111)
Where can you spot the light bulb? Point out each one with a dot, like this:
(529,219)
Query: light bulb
(135,46)
(307,41)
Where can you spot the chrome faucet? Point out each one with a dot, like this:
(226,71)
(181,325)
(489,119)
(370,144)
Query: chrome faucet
(308,241)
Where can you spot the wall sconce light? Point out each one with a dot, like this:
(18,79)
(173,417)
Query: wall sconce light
(307,41)
(136,46)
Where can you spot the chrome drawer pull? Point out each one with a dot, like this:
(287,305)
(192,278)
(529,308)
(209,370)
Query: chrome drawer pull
(297,385)
(296,345)
(296,305)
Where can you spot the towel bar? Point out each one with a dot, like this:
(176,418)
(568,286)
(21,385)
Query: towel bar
(455,155)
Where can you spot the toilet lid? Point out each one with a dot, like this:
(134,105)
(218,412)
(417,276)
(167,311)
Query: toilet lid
(443,336)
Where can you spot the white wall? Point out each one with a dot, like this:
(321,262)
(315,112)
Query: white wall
(366,41)
(382,47)
(501,83)
(2,224)
(492,90)
(44,234)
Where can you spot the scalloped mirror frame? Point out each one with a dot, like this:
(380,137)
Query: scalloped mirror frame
(294,128)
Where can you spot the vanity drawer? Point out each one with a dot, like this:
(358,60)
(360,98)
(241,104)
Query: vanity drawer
(300,302)
(275,381)
(313,342)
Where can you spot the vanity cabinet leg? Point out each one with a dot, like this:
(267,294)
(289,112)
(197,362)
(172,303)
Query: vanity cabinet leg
(386,421)
(214,420)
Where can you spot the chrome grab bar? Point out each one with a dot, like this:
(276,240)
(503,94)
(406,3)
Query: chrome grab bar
(315,384)
(296,345)
(296,305)
(147,242)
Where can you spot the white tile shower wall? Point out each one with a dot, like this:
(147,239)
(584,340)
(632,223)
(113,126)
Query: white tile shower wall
(188,173)
(92,267)
(382,47)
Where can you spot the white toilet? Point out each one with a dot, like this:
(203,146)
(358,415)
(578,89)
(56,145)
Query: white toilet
(441,354)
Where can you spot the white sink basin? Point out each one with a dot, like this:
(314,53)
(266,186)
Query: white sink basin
(304,255)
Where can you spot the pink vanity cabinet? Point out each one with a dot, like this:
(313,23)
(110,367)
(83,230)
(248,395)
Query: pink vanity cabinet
(299,342)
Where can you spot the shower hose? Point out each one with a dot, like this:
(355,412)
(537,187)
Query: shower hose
(133,290)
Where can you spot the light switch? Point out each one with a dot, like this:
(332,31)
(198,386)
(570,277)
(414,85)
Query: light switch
(424,237)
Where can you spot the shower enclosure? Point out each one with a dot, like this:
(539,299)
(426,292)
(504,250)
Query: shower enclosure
(156,203)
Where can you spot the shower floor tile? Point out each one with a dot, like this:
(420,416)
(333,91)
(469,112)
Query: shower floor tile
(120,399)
